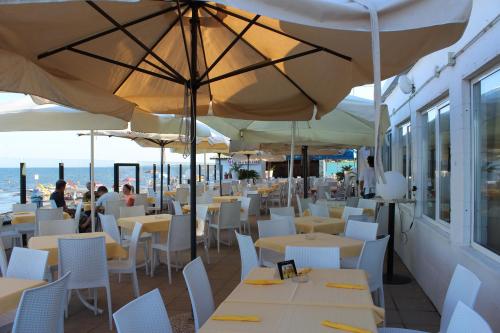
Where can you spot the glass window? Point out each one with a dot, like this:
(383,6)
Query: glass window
(387,151)
(429,128)
(444,163)
(486,104)
(404,132)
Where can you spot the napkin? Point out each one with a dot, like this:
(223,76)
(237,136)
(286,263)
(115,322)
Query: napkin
(346,286)
(344,327)
(236,318)
(263,282)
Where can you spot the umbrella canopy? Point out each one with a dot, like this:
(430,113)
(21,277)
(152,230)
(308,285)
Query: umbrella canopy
(263,59)
(210,145)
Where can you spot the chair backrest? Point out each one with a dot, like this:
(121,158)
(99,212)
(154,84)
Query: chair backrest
(303,204)
(245,208)
(255,199)
(141,199)
(351,201)
(144,314)
(41,309)
(200,291)
(151,192)
(314,257)
(78,214)
(56,227)
(464,286)
(283,211)
(248,254)
(112,207)
(201,215)
(348,211)
(53,203)
(181,195)
(361,230)
(372,260)
(109,226)
(47,214)
(132,211)
(382,220)
(3,259)
(28,207)
(177,207)
(273,228)
(86,259)
(203,198)
(322,189)
(226,189)
(319,210)
(367,203)
(229,215)
(132,247)
(179,233)
(290,219)
(465,320)
(27,264)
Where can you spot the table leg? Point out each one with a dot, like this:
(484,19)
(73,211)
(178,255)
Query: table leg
(390,277)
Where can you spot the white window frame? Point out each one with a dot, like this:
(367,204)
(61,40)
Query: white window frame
(474,131)
(409,180)
(423,177)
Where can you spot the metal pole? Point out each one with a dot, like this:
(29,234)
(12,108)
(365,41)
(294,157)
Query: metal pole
(137,179)
(162,162)
(61,170)
(194,90)
(22,182)
(215,171)
(168,174)
(154,177)
(199,172)
(92,181)
(180,174)
(305,168)
(248,161)
(207,172)
(220,175)
(290,171)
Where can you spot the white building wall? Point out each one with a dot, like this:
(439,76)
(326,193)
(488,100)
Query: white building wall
(431,249)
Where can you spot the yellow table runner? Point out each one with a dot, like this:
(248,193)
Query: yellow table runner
(227,198)
(308,224)
(150,223)
(29,217)
(49,243)
(11,290)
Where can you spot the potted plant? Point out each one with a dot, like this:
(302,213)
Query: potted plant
(235,169)
(247,175)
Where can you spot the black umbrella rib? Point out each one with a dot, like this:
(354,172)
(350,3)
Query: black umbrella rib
(135,39)
(295,84)
(122,64)
(229,47)
(260,65)
(204,59)
(143,58)
(184,41)
(104,33)
(335,53)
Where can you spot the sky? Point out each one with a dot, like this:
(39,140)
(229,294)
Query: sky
(47,149)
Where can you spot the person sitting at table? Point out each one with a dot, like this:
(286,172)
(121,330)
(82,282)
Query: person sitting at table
(58,197)
(105,196)
(128,195)
(87,195)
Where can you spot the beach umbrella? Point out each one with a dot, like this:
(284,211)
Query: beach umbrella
(261,59)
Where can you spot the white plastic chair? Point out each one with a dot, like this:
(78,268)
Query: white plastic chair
(56,227)
(255,200)
(112,207)
(466,320)
(41,309)
(53,204)
(303,204)
(3,259)
(229,219)
(78,214)
(141,199)
(181,195)
(290,219)
(202,230)
(129,266)
(86,259)
(272,228)
(27,264)
(361,230)
(319,209)
(464,287)
(13,233)
(314,257)
(200,292)
(245,208)
(248,254)
(177,207)
(321,191)
(132,211)
(144,314)
(178,239)
(367,203)
(110,227)
(283,211)
(47,214)
(348,211)
(24,208)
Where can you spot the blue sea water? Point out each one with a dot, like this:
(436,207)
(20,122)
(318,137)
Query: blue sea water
(9,179)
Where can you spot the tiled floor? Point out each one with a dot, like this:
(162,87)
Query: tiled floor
(406,305)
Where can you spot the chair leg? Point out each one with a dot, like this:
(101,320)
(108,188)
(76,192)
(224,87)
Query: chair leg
(153,262)
(146,255)
(169,268)
(110,310)
(135,283)
(218,240)
(381,298)
(95,301)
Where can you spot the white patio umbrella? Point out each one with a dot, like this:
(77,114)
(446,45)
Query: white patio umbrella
(262,59)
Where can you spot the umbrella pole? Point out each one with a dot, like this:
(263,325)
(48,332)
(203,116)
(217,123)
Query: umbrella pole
(92,182)
(248,161)
(220,176)
(290,171)
(162,162)
(194,90)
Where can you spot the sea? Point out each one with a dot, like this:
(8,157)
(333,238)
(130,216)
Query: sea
(9,179)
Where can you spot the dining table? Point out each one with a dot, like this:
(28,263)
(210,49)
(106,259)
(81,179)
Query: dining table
(327,299)
(11,290)
(29,217)
(150,223)
(327,225)
(225,198)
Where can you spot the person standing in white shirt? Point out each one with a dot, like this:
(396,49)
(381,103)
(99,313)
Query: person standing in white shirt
(367,181)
